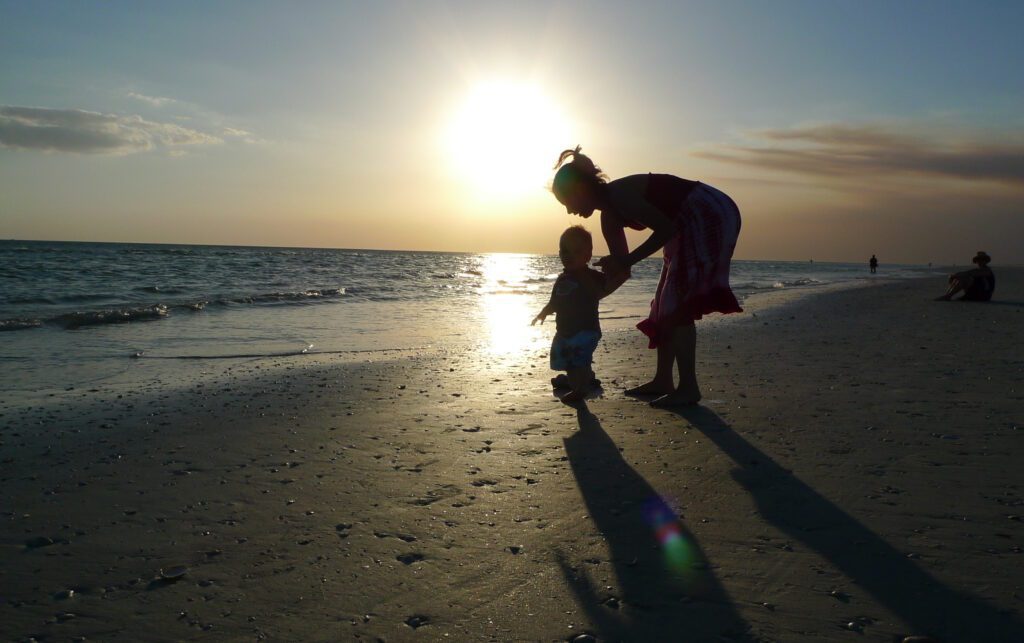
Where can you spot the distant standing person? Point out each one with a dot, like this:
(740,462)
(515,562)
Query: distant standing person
(977,284)
(694,224)
(873,263)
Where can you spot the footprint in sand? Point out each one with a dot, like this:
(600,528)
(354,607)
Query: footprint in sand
(409,559)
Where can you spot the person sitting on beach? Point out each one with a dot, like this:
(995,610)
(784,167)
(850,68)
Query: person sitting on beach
(694,225)
(977,284)
(574,298)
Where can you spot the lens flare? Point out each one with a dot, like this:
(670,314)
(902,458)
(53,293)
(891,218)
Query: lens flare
(678,553)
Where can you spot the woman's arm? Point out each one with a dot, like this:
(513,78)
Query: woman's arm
(659,237)
(626,199)
(614,232)
(612,282)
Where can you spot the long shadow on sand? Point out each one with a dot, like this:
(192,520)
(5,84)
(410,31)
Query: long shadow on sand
(918,598)
(668,590)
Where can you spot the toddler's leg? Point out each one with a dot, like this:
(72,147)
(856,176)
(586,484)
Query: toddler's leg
(579,382)
(579,378)
(560,381)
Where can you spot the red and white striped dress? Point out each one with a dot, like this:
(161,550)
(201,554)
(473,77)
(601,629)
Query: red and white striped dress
(695,276)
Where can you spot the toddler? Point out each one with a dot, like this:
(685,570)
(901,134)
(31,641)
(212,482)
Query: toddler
(574,298)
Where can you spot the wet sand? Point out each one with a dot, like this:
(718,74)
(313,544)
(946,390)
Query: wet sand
(852,474)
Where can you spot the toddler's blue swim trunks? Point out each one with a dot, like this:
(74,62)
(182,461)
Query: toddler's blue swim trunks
(574,351)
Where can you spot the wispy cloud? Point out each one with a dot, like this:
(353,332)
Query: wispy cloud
(244,135)
(863,151)
(155,101)
(83,132)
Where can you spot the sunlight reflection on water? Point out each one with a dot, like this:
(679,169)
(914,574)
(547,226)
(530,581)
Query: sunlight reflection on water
(260,303)
(508,303)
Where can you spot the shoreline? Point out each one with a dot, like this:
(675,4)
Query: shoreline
(175,377)
(198,305)
(838,478)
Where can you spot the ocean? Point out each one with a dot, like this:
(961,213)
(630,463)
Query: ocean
(92,314)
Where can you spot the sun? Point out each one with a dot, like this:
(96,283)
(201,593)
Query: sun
(503,139)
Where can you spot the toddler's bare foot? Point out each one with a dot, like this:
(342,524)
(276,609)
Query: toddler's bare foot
(676,399)
(572,397)
(650,388)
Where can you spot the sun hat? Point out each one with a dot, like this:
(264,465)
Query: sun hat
(981,257)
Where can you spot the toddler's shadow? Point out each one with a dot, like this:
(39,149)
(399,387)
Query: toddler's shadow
(665,583)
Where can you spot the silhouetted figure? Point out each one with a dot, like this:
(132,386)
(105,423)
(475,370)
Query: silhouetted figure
(695,226)
(873,263)
(574,300)
(977,284)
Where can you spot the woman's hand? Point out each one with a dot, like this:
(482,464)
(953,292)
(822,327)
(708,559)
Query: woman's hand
(612,265)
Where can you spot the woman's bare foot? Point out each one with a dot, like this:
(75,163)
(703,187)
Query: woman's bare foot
(650,388)
(675,399)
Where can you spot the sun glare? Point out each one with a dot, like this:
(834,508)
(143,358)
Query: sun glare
(503,139)
(506,304)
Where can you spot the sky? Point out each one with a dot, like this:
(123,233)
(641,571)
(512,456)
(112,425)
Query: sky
(842,128)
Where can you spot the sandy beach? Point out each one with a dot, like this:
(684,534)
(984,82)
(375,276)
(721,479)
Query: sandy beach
(853,473)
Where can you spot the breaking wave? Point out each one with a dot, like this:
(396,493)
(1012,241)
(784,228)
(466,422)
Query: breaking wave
(153,312)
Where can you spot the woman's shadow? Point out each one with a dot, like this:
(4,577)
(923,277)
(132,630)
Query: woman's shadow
(888,575)
(665,584)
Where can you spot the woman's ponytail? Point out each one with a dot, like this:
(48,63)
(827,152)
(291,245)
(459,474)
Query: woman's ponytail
(566,154)
(578,174)
(581,163)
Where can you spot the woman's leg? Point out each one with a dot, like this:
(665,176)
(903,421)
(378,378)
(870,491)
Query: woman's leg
(684,348)
(662,382)
(685,344)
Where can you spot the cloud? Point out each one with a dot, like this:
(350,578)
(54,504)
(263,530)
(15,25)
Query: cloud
(75,130)
(865,151)
(233,131)
(155,101)
(244,135)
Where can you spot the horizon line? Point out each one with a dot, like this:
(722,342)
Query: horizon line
(406,250)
